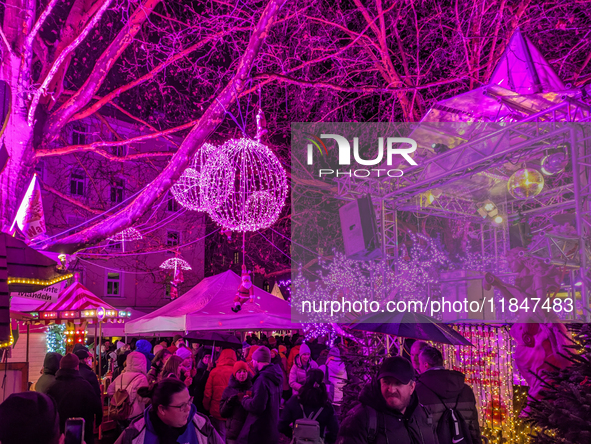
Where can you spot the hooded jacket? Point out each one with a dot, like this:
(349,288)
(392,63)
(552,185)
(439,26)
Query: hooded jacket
(292,355)
(75,398)
(145,348)
(198,431)
(261,426)
(336,375)
(298,373)
(414,426)
(217,383)
(132,378)
(231,408)
(450,387)
(51,365)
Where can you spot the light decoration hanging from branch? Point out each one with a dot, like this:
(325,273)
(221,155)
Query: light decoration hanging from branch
(187,191)
(129,234)
(175,263)
(255,193)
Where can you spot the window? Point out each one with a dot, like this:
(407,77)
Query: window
(113,283)
(237,257)
(172,204)
(77,181)
(119,151)
(173,238)
(117,191)
(78,134)
(266,286)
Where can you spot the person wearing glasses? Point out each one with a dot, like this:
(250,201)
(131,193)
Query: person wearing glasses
(171,418)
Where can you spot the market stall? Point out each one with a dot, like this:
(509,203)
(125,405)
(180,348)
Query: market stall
(208,306)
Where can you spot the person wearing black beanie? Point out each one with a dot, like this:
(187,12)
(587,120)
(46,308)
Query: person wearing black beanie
(29,418)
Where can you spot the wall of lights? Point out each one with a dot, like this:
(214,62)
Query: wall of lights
(489,370)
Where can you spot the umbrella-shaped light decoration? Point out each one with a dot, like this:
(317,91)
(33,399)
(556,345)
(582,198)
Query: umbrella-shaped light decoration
(178,265)
(187,191)
(255,194)
(129,234)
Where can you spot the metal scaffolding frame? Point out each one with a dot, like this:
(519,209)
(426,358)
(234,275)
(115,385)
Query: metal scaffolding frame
(534,134)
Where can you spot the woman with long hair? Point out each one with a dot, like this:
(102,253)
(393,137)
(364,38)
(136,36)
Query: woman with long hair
(171,418)
(312,401)
(158,364)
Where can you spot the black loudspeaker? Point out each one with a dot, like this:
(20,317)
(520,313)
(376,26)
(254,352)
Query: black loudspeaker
(360,229)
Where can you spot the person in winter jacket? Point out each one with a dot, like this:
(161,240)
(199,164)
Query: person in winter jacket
(145,348)
(335,376)
(74,396)
(230,404)
(391,400)
(293,353)
(312,397)
(286,388)
(29,418)
(302,364)
(197,388)
(171,418)
(121,360)
(51,365)
(157,364)
(85,369)
(437,386)
(214,388)
(177,340)
(262,421)
(132,378)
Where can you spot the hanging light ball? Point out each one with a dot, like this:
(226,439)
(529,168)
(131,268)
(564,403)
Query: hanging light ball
(186,190)
(554,163)
(525,183)
(255,194)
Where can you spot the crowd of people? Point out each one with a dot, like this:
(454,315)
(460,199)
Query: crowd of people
(185,393)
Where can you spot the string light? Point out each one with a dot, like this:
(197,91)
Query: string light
(175,263)
(128,234)
(55,338)
(31,281)
(187,191)
(244,186)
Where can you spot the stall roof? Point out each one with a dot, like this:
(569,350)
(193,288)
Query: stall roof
(207,306)
(75,297)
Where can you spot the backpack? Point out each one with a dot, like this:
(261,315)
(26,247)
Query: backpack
(307,429)
(452,427)
(121,405)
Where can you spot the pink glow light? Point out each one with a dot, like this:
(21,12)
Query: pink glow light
(244,185)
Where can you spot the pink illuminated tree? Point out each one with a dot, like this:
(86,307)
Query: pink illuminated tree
(179,69)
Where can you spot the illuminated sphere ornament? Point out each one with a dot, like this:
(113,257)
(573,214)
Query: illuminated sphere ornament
(186,190)
(255,194)
(525,183)
(554,163)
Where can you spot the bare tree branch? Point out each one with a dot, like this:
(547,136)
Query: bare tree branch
(71,200)
(39,23)
(43,88)
(101,68)
(213,116)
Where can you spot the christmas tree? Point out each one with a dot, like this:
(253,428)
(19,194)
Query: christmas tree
(563,414)
(55,338)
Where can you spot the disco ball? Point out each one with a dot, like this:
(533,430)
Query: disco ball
(186,190)
(554,163)
(255,193)
(525,183)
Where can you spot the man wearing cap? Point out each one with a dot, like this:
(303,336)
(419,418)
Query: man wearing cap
(176,341)
(85,368)
(389,410)
(261,426)
(74,396)
(29,418)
